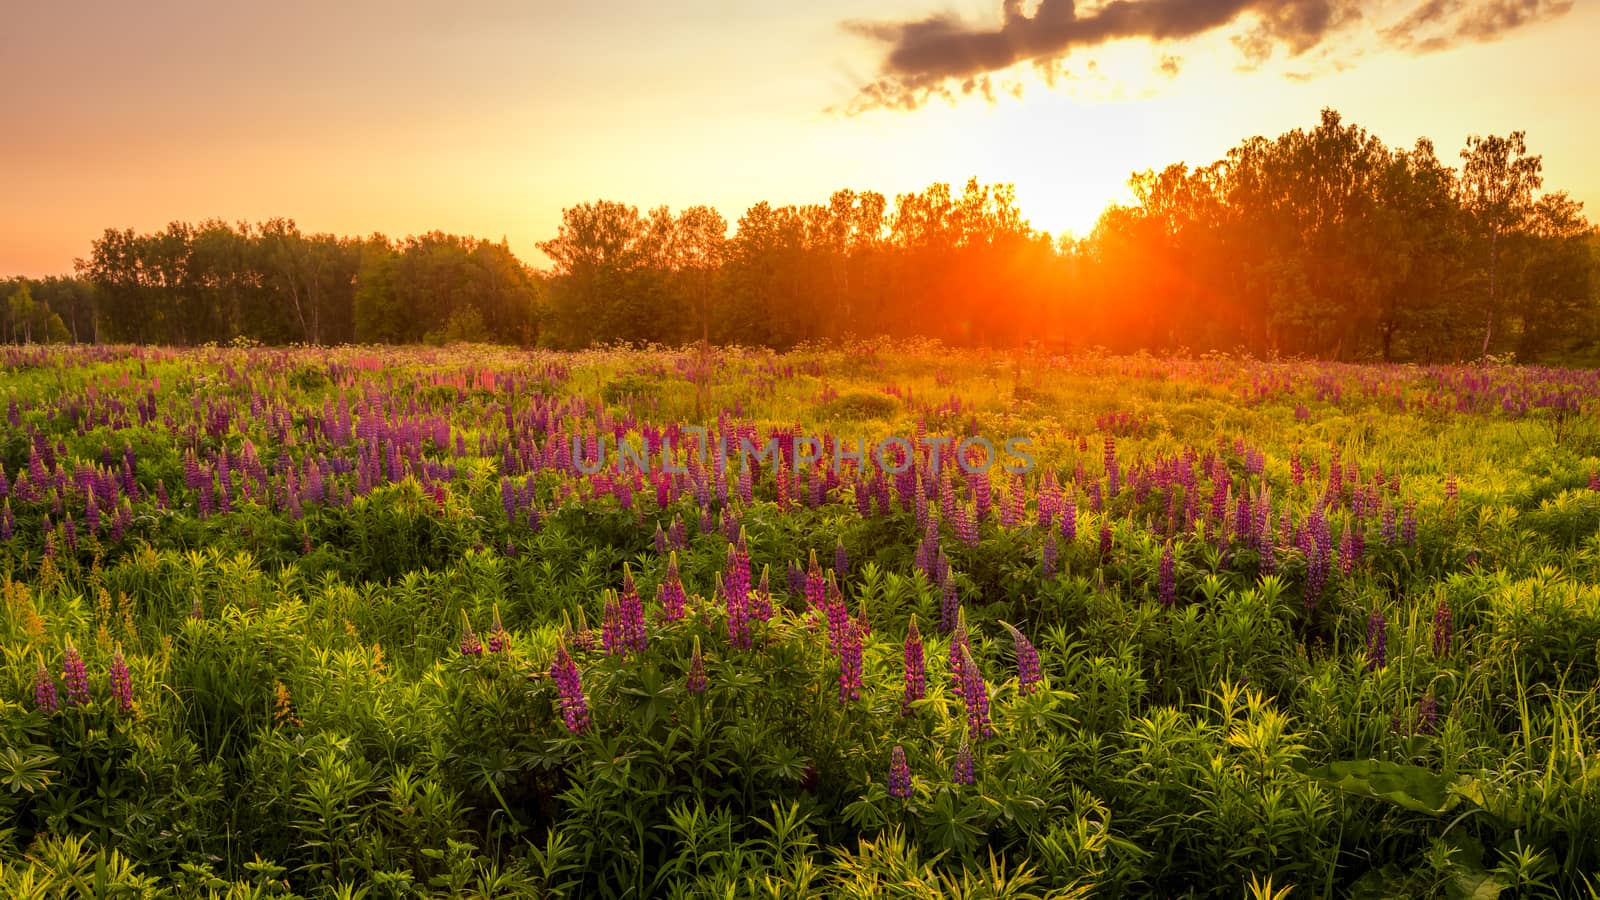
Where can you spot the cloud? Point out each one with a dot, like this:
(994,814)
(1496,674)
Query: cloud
(927,57)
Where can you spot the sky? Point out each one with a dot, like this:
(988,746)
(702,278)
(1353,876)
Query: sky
(488,118)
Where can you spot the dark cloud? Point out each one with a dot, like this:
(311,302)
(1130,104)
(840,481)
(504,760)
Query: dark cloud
(925,57)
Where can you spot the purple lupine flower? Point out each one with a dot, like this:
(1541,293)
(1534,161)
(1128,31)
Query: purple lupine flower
(1349,552)
(1451,492)
(44,690)
(1427,714)
(1047,555)
(949,599)
(841,560)
(1389,530)
(569,687)
(631,609)
(499,640)
(916,671)
(670,593)
(1167,584)
(660,540)
(470,645)
(963,771)
(696,681)
(899,774)
(1113,474)
(75,675)
(976,694)
(1594,480)
(1105,540)
(1029,673)
(1443,630)
(849,662)
(1069,517)
(1377,641)
(121,682)
(1408,527)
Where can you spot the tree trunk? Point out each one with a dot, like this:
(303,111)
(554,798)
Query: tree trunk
(1488,325)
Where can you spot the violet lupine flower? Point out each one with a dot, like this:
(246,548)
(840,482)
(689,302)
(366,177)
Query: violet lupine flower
(1029,673)
(795,576)
(899,774)
(1377,641)
(470,645)
(44,690)
(916,670)
(1167,584)
(1443,630)
(1105,540)
(976,694)
(670,593)
(1408,526)
(1594,480)
(499,640)
(1389,530)
(696,681)
(849,662)
(569,687)
(75,675)
(1069,516)
(1427,714)
(841,560)
(660,540)
(1047,555)
(1451,492)
(121,682)
(963,771)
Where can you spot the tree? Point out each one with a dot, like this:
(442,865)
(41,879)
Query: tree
(1498,179)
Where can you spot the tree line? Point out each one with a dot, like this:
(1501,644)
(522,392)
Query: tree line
(1320,242)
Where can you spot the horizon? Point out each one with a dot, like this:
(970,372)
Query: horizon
(491,126)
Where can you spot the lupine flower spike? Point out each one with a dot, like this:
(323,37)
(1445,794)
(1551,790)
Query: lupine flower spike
(1377,641)
(121,682)
(899,774)
(916,672)
(964,772)
(470,645)
(44,690)
(499,640)
(696,682)
(1029,674)
(75,675)
(569,688)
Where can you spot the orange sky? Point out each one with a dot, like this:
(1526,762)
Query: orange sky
(488,118)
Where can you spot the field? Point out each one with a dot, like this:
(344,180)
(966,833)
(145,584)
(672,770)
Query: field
(351,622)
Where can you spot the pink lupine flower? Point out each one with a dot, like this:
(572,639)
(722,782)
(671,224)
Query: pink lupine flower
(44,690)
(696,682)
(670,593)
(121,682)
(499,640)
(470,645)
(75,675)
(569,687)
(849,663)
